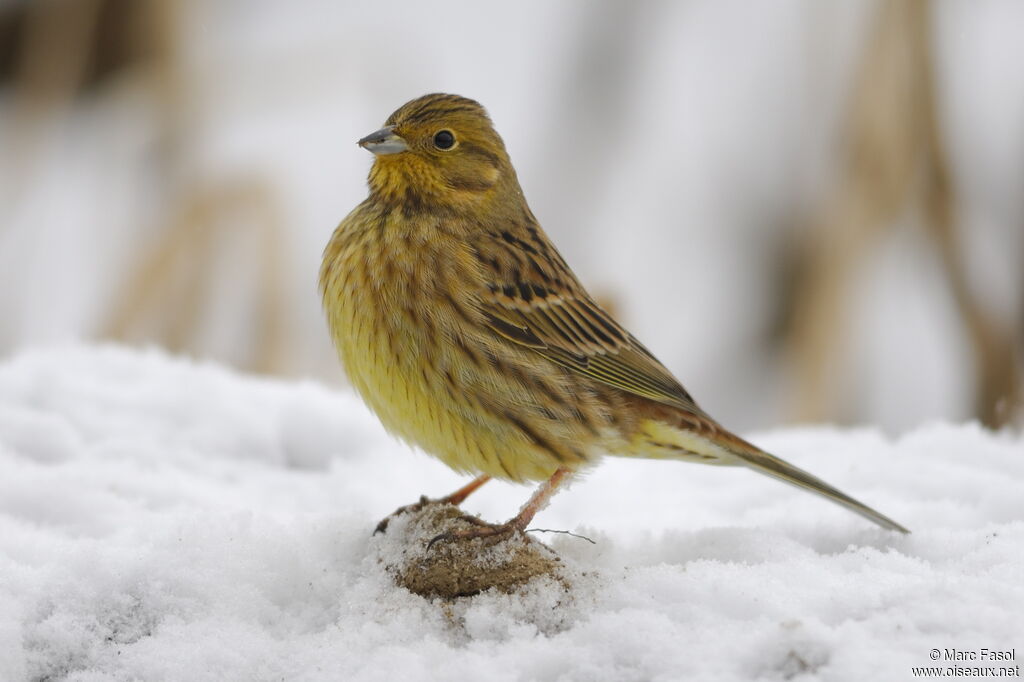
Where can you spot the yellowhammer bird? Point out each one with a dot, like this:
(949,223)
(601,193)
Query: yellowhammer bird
(465,331)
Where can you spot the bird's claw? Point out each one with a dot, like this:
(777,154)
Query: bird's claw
(481,529)
(382,527)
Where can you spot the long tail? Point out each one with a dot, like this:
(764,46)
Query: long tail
(770,465)
(699,439)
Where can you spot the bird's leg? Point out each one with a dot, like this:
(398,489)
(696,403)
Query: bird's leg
(456,498)
(460,495)
(517,523)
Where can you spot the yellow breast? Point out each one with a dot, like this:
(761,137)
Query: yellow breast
(389,298)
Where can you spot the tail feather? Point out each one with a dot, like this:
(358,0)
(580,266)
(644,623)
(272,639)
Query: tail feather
(770,465)
(697,438)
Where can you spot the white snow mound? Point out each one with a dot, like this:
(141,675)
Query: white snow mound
(166,520)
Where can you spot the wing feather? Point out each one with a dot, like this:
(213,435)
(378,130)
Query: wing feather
(549,312)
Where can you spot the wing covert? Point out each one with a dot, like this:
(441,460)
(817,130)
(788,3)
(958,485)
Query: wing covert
(569,328)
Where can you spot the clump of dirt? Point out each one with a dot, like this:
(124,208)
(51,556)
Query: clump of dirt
(460,568)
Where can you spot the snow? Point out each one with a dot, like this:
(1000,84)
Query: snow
(167,520)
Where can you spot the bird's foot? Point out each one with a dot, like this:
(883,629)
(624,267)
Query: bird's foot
(382,527)
(456,498)
(480,529)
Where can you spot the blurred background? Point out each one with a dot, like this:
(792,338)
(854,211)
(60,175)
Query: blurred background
(811,212)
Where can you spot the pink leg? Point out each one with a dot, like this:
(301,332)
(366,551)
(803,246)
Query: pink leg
(539,500)
(460,495)
(519,522)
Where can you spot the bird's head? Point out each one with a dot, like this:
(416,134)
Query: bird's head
(439,152)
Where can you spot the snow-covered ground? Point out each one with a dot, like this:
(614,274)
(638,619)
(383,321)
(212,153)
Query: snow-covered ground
(162,520)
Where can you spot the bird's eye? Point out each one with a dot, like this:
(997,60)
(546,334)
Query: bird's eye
(444,139)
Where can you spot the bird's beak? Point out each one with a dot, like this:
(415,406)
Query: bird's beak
(384,141)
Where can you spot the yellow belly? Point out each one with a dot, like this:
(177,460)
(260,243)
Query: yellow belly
(395,340)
